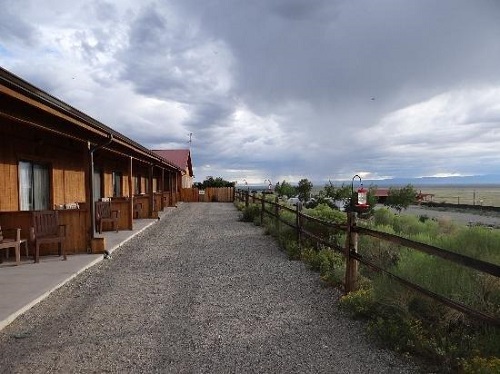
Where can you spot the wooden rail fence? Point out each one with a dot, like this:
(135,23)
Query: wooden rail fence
(326,233)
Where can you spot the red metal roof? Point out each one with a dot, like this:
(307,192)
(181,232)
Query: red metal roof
(179,157)
(382,192)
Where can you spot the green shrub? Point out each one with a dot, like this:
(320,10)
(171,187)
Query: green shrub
(399,333)
(239,205)
(407,225)
(481,365)
(288,216)
(310,257)
(447,226)
(423,218)
(332,267)
(383,217)
(250,213)
(326,213)
(359,304)
(476,242)
(292,249)
(383,253)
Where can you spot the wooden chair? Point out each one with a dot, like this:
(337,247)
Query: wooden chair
(45,228)
(137,210)
(15,242)
(104,213)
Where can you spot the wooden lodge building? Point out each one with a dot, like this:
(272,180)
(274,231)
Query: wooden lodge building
(56,158)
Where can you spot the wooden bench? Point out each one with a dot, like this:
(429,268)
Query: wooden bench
(45,228)
(104,213)
(14,242)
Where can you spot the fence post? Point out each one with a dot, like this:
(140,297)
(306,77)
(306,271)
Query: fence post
(247,196)
(299,224)
(277,214)
(351,244)
(263,201)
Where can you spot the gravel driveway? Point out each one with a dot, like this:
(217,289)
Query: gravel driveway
(198,292)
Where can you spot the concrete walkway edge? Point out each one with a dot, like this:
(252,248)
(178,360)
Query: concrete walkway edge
(28,302)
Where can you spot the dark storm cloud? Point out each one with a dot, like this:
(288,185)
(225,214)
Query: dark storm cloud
(357,49)
(12,26)
(317,88)
(149,59)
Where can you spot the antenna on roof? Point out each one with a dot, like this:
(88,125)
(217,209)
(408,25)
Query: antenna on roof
(190,139)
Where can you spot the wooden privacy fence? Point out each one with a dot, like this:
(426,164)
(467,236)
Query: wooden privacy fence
(210,194)
(329,235)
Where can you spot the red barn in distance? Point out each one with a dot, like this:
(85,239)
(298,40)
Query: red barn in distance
(382,193)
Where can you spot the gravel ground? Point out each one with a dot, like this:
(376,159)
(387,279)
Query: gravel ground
(199,292)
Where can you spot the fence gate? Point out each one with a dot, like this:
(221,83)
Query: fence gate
(210,194)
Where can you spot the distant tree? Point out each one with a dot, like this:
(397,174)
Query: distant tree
(285,189)
(401,198)
(371,199)
(213,182)
(339,193)
(331,193)
(304,189)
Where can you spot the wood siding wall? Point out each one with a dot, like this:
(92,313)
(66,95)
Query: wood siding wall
(66,161)
(211,194)
(76,221)
(9,195)
(190,195)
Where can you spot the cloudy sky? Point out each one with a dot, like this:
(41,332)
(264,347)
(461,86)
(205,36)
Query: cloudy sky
(276,89)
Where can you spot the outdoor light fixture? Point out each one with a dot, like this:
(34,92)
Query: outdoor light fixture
(359,200)
(270,183)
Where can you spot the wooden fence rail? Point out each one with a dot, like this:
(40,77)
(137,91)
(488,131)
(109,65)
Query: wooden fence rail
(350,251)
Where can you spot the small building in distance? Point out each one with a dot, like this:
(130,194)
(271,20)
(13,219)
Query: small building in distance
(382,193)
(182,159)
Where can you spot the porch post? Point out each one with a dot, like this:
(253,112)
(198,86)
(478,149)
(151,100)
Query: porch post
(131,196)
(172,189)
(162,184)
(97,245)
(151,194)
(89,196)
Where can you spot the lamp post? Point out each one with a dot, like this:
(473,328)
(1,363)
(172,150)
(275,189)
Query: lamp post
(270,184)
(358,204)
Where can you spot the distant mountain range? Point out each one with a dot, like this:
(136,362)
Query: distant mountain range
(491,179)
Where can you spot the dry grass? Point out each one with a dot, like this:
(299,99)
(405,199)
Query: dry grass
(472,195)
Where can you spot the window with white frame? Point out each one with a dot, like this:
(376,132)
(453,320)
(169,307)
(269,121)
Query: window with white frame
(137,185)
(97,185)
(117,184)
(34,186)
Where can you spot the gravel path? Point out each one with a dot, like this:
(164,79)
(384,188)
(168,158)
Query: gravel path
(198,292)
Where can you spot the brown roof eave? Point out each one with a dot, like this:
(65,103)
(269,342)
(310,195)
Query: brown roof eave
(22,90)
